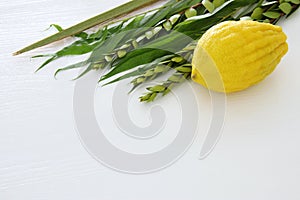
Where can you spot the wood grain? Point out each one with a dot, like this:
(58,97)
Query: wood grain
(41,157)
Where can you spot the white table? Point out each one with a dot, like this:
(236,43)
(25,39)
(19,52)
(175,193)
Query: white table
(41,156)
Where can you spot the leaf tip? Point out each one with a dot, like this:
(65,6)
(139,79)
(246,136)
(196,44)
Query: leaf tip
(16,53)
(37,70)
(55,74)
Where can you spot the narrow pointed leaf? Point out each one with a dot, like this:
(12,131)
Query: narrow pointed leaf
(74,66)
(46,63)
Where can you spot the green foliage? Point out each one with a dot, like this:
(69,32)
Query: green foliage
(144,47)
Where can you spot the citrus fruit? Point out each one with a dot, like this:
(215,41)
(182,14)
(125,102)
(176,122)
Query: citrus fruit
(235,55)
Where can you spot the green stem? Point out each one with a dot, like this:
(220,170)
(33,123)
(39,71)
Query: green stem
(105,17)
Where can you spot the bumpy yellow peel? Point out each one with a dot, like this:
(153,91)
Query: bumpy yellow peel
(235,55)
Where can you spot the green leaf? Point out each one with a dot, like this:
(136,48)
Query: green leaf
(132,23)
(57,27)
(74,66)
(183,69)
(192,12)
(182,5)
(272,14)
(194,27)
(171,8)
(82,35)
(136,72)
(257,13)
(208,5)
(43,56)
(172,42)
(109,45)
(295,1)
(88,69)
(99,52)
(285,7)
(295,8)
(77,48)
(133,59)
(46,63)
(218,3)
(152,97)
(157,88)
(175,78)
(165,45)
(141,70)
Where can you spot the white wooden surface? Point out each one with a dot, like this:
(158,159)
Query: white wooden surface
(42,158)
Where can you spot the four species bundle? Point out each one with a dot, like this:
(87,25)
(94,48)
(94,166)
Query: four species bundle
(161,41)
